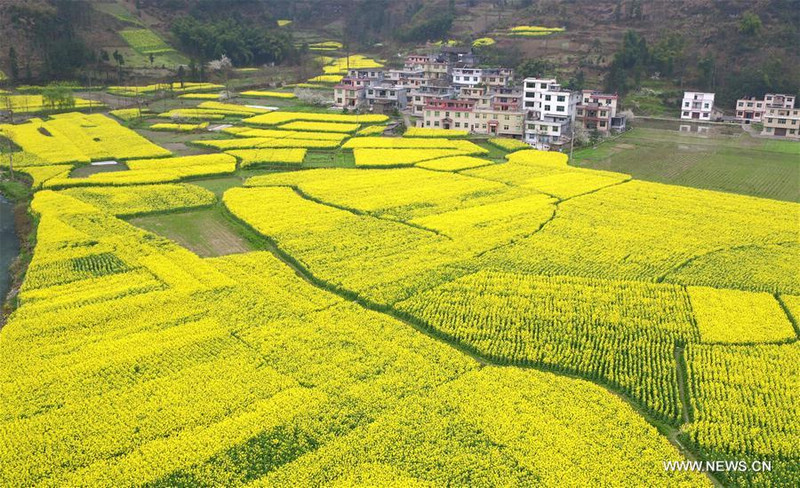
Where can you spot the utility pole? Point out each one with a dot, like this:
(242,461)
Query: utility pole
(572,141)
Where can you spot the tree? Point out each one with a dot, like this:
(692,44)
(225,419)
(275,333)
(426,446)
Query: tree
(193,70)
(120,59)
(631,61)
(533,68)
(223,66)
(181,75)
(707,71)
(12,64)
(577,82)
(58,96)
(750,24)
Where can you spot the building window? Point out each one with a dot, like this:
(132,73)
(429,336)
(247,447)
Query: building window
(555,128)
(436,113)
(560,108)
(560,98)
(543,85)
(686,104)
(458,124)
(507,117)
(436,124)
(547,107)
(428,123)
(705,105)
(769,121)
(505,127)
(602,124)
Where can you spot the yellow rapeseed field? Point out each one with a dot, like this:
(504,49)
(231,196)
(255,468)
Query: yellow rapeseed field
(458,321)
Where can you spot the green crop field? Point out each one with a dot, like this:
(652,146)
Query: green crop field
(736,163)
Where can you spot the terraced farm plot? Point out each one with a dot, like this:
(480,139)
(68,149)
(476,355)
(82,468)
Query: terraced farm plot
(145,41)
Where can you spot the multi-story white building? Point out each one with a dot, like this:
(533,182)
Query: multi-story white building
(482,76)
(782,122)
(697,106)
(752,110)
(550,112)
(598,111)
(545,95)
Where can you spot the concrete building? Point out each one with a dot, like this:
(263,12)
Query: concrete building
(477,116)
(421,96)
(752,109)
(782,122)
(384,97)
(482,76)
(431,66)
(350,93)
(598,111)
(550,112)
(697,106)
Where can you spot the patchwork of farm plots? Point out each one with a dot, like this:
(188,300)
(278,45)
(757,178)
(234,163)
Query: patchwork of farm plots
(425,315)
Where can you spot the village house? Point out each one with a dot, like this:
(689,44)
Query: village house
(697,106)
(751,109)
(598,111)
(550,113)
(782,122)
(494,114)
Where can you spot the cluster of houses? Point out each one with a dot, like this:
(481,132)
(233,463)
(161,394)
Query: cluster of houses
(449,91)
(775,112)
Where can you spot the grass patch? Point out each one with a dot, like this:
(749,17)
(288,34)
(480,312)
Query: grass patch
(206,232)
(325,159)
(218,186)
(495,153)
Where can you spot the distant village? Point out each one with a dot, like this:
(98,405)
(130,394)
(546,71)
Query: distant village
(448,90)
